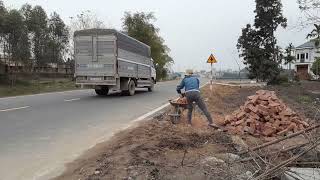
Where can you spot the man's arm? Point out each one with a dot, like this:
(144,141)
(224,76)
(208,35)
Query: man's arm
(180,86)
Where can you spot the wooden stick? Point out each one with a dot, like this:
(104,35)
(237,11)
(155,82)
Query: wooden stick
(285,163)
(281,139)
(282,151)
(184,155)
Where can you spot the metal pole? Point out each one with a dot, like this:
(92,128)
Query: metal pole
(211,82)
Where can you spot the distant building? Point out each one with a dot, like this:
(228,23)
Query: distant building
(305,54)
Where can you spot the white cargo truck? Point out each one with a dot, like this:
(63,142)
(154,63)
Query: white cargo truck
(106,59)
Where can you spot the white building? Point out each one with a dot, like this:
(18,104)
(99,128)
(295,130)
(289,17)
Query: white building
(305,56)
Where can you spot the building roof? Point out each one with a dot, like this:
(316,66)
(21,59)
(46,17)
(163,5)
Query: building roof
(307,45)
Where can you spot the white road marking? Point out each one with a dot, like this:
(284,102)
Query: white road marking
(41,94)
(239,85)
(13,109)
(70,100)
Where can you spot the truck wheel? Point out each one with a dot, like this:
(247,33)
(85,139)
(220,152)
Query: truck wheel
(102,92)
(99,92)
(131,88)
(151,88)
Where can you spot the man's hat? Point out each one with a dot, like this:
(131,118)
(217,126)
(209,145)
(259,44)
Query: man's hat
(189,71)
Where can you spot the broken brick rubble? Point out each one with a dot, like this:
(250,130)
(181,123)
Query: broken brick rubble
(265,114)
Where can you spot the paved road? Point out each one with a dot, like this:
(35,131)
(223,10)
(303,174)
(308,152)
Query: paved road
(39,133)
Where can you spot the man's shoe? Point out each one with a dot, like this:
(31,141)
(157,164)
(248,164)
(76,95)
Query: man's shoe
(221,128)
(214,126)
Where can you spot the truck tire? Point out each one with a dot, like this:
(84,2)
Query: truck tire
(102,92)
(151,88)
(131,88)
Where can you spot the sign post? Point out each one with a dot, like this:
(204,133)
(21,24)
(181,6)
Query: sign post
(211,60)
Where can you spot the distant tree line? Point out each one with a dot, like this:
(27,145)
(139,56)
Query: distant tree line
(28,36)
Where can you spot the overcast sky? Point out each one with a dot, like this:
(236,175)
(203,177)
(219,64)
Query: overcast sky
(191,28)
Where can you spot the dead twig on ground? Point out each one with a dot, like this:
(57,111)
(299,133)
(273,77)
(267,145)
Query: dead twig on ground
(281,139)
(273,170)
(184,155)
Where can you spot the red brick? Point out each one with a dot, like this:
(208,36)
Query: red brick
(241,115)
(229,119)
(265,103)
(249,130)
(274,104)
(292,126)
(287,123)
(301,127)
(284,132)
(268,131)
(288,112)
(253,109)
(284,118)
(239,122)
(305,124)
(271,120)
(251,97)
(250,120)
(264,97)
(274,110)
(261,92)
(277,124)
(240,130)
(255,99)
(254,116)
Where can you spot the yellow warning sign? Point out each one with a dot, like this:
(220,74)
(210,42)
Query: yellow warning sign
(212,59)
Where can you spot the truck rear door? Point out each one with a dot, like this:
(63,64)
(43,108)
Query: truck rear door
(95,56)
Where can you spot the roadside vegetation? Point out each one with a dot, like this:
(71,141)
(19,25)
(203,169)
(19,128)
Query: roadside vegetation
(27,87)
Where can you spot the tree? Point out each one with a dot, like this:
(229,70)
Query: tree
(59,39)
(315,35)
(316,66)
(258,44)
(16,37)
(289,58)
(37,23)
(3,12)
(310,8)
(84,20)
(139,26)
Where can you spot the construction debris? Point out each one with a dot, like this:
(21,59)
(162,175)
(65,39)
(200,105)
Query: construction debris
(264,114)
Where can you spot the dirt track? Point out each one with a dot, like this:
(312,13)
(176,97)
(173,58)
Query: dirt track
(157,149)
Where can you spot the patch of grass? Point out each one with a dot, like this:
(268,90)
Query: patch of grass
(304,99)
(35,87)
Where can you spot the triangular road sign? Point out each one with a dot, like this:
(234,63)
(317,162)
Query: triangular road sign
(212,59)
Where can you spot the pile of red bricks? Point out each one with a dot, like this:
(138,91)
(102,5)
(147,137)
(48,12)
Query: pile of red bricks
(264,114)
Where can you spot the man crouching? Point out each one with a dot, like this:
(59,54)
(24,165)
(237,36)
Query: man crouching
(192,92)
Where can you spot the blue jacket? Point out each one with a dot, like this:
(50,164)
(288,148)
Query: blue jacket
(190,83)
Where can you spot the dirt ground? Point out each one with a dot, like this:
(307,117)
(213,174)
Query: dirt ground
(157,149)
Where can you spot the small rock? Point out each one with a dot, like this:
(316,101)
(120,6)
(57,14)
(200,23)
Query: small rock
(211,159)
(229,157)
(249,174)
(240,145)
(245,176)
